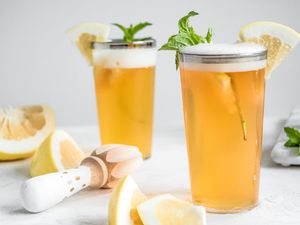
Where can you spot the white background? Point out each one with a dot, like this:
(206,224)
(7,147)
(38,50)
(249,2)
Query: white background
(38,64)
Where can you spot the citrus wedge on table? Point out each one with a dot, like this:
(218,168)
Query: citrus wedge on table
(278,39)
(168,210)
(23,129)
(123,203)
(129,206)
(58,152)
(84,34)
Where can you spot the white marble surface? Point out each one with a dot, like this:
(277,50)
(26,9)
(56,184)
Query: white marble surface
(166,171)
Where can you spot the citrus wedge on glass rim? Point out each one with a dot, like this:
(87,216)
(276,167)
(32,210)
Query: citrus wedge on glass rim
(23,129)
(83,34)
(278,39)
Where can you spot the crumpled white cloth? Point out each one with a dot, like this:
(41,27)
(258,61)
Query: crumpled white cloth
(281,154)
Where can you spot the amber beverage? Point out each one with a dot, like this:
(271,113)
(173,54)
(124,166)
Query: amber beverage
(223,99)
(124,85)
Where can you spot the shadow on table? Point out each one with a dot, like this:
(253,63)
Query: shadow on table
(13,209)
(19,211)
(266,161)
(86,221)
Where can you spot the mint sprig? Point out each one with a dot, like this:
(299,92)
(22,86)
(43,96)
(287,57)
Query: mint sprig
(294,139)
(186,37)
(130,32)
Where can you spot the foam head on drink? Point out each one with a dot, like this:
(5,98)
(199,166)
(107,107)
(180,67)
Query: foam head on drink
(223,98)
(124,85)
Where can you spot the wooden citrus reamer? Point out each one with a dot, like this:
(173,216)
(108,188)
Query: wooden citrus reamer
(102,169)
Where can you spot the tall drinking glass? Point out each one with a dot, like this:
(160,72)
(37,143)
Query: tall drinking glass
(223,89)
(124,85)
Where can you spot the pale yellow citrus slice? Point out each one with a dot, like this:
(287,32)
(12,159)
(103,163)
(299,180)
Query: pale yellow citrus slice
(168,210)
(23,129)
(124,200)
(278,39)
(84,34)
(58,152)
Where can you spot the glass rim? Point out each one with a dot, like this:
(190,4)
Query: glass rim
(120,44)
(222,58)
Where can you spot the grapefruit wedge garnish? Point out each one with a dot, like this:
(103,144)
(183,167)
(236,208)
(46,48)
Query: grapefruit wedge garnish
(83,34)
(278,39)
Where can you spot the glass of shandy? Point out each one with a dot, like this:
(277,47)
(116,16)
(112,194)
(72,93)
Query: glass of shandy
(124,84)
(223,89)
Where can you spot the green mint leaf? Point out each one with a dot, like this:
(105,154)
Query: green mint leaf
(172,43)
(124,29)
(182,39)
(294,139)
(293,135)
(177,60)
(209,35)
(186,37)
(183,23)
(198,39)
(129,37)
(168,46)
(139,27)
(290,144)
(130,32)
